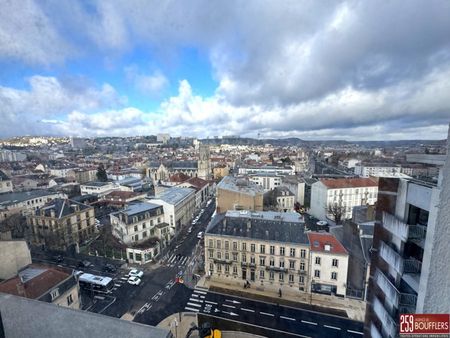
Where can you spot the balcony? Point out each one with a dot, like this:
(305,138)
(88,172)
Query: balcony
(302,272)
(412,265)
(397,298)
(276,269)
(391,257)
(389,326)
(417,234)
(222,261)
(405,232)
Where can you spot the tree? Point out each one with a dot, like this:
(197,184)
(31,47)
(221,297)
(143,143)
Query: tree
(337,210)
(101,174)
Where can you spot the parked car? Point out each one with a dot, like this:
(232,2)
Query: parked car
(135,273)
(134,280)
(84,264)
(109,268)
(200,235)
(189,230)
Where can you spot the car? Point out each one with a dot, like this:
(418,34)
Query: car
(321,223)
(109,268)
(58,259)
(77,272)
(134,280)
(200,235)
(194,222)
(135,273)
(84,264)
(189,230)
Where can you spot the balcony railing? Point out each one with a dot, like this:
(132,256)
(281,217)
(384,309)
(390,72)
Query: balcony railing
(276,268)
(389,325)
(417,233)
(391,257)
(395,226)
(412,265)
(407,299)
(387,287)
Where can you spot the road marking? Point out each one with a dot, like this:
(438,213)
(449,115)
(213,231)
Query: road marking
(194,295)
(267,314)
(332,327)
(200,292)
(117,285)
(288,318)
(356,332)
(231,306)
(196,300)
(209,302)
(172,258)
(191,309)
(248,310)
(193,304)
(232,301)
(306,322)
(184,260)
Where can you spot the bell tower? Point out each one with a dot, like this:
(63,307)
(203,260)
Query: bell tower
(204,162)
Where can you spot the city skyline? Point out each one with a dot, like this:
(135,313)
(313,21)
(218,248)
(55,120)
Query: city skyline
(316,71)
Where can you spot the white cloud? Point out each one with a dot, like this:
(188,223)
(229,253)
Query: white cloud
(151,85)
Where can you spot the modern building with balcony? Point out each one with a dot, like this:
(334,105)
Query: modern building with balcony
(410,246)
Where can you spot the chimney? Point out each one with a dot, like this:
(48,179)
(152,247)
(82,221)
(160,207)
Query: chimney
(21,288)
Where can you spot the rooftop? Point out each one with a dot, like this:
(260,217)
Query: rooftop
(266,225)
(197,182)
(139,207)
(320,241)
(175,195)
(342,183)
(96,184)
(116,194)
(240,185)
(61,207)
(10,198)
(3,176)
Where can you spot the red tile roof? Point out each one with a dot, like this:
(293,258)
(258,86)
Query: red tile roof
(340,183)
(37,286)
(179,177)
(318,240)
(197,182)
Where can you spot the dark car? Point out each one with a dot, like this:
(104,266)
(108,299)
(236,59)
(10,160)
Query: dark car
(84,264)
(109,268)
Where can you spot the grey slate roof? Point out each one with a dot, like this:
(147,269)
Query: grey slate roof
(264,225)
(3,176)
(11,198)
(61,207)
(175,195)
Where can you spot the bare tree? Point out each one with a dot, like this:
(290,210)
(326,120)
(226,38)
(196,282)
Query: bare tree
(337,210)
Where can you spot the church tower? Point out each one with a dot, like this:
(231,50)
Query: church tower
(204,162)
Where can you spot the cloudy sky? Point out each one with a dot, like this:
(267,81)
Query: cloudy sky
(356,70)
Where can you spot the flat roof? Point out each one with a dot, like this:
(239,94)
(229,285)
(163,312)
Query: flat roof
(175,195)
(16,197)
(96,184)
(137,208)
(240,185)
(284,227)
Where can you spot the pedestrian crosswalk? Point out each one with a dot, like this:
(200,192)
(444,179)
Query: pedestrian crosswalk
(177,260)
(196,301)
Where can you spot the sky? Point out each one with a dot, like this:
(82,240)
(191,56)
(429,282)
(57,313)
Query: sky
(354,70)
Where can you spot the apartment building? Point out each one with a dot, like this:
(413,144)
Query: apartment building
(268,181)
(268,249)
(377,170)
(201,188)
(62,223)
(5,183)
(55,285)
(179,207)
(410,245)
(296,185)
(343,192)
(97,188)
(141,226)
(25,202)
(329,264)
(267,169)
(234,193)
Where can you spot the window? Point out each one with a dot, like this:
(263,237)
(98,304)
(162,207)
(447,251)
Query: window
(281,264)
(210,254)
(144,234)
(69,299)
(210,243)
(219,267)
(302,253)
(252,260)
(244,246)
(252,247)
(244,258)
(291,278)
(272,261)
(234,270)
(271,275)
(261,274)
(281,276)
(211,267)
(219,244)
(227,256)
(131,256)
(235,246)
(151,222)
(302,266)
(227,245)
(335,262)
(136,238)
(235,256)
(219,255)
(272,250)
(54,294)
(262,261)
(282,251)
(144,225)
(292,252)
(291,264)
(318,260)
(135,228)
(262,249)
(138,257)
(227,269)
(301,279)
(317,273)
(334,275)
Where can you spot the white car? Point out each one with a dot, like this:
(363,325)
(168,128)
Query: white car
(135,273)
(134,281)
(200,235)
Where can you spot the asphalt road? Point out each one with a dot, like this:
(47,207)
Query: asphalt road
(269,319)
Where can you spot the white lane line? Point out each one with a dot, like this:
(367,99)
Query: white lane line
(196,300)
(117,285)
(267,314)
(356,332)
(332,327)
(306,322)
(288,318)
(209,302)
(231,306)
(194,295)
(184,260)
(191,309)
(202,297)
(193,304)
(171,258)
(200,292)
(248,310)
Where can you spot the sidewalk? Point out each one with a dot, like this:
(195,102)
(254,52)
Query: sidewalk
(179,324)
(353,308)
